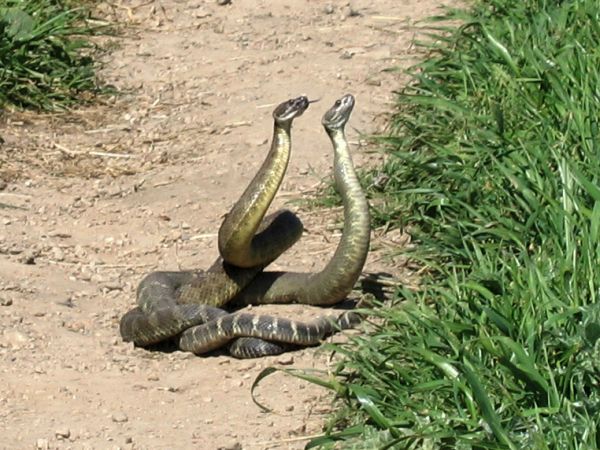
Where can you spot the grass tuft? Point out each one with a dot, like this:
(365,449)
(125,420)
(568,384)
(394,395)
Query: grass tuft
(45,55)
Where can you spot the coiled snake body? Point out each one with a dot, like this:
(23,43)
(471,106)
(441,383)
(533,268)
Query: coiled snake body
(186,305)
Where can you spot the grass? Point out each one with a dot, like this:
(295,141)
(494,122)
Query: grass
(494,164)
(46,58)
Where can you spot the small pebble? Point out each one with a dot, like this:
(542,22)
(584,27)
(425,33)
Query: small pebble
(119,417)
(28,256)
(57,254)
(349,11)
(62,433)
(373,82)
(234,445)
(112,286)
(285,360)
(346,54)
(299,430)
(14,338)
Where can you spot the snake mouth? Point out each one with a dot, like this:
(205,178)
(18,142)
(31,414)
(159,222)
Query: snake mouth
(291,109)
(339,113)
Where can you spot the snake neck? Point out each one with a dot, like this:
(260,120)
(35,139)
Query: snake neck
(336,280)
(246,215)
(342,271)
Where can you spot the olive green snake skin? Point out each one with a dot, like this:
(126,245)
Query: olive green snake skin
(187,305)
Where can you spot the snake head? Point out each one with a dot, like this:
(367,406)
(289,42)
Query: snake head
(288,111)
(339,113)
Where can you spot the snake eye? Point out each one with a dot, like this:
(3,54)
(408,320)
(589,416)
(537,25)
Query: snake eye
(338,102)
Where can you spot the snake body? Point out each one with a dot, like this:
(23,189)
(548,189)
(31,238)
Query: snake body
(185,304)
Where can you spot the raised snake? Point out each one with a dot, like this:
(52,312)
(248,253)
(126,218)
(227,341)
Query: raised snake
(185,304)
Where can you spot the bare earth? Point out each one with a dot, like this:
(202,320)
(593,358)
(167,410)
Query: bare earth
(92,200)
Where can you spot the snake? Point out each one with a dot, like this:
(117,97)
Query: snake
(187,305)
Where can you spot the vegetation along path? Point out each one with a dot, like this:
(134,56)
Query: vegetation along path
(95,198)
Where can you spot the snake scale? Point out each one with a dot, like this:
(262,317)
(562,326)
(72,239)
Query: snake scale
(187,305)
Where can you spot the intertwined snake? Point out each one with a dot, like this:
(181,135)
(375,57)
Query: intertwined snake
(185,305)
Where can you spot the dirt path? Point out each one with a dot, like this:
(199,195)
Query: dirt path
(104,196)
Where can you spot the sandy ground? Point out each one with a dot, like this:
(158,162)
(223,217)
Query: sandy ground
(92,200)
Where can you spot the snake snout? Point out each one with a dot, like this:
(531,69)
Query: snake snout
(347,101)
